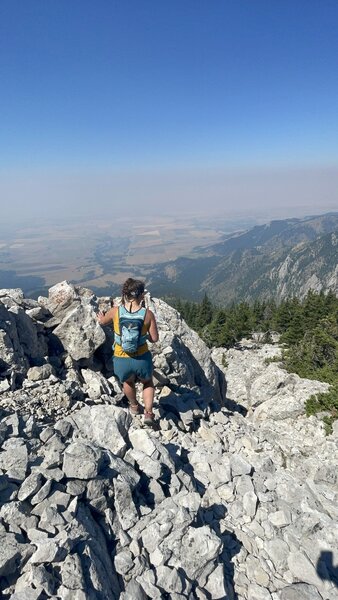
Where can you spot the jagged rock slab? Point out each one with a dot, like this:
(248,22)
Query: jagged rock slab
(106,426)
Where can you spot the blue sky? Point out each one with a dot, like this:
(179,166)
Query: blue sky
(153,86)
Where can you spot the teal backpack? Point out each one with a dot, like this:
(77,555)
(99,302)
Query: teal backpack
(131,323)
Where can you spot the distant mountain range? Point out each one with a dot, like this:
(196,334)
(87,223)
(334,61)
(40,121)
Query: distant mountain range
(283,258)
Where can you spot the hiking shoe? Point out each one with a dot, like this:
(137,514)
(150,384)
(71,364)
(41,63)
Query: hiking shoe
(149,418)
(134,409)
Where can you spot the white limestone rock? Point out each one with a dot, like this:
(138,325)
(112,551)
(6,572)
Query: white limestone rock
(30,486)
(40,373)
(277,550)
(299,591)
(30,333)
(106,426)
(82,460)
(216,584)
(39,578)
(133,590)
(287,406)
(14,294)
(193,550)
(30,593)
(12,357)
(151,468)
(257,592)
(11,553)
(280,518)
(95,384)
(71,573)
(14,459)
(303,570)
(272,380)
(80,332)
(123,562)
(250,501)
(42,492)
(124,504)
(4,386)
(61,295)
(239,466)
(56,498)
(142,441)
(47,551)
(171,581)
(187,356)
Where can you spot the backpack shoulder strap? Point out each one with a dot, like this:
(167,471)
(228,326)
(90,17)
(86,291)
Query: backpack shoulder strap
(117,336)
(143,338)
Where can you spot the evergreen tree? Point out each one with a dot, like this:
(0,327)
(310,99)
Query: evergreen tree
(292,323)
(204,313)
(190,314)
(178,306)
(243,320)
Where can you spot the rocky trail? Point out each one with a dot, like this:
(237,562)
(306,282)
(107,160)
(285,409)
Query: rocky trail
(233,495)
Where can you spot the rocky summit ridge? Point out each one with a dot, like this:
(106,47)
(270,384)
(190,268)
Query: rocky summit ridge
(233,495)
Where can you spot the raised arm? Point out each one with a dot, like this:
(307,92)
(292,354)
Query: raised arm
(152,331)
(105,319)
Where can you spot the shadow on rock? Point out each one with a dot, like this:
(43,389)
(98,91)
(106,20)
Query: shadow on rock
(233,407)
(325,567)
(212,516)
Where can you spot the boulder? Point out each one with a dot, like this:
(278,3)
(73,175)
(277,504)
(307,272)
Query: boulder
(82,460)
(80,332)
(12,356)
(11,553)
(105,426)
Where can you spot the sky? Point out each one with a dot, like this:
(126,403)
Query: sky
(162,105)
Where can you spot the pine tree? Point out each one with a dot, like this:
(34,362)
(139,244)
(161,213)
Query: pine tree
(204,313)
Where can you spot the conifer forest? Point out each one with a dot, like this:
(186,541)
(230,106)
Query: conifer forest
(308,332)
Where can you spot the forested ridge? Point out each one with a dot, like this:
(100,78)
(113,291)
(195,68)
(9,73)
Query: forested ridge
(273,260)
(308,335)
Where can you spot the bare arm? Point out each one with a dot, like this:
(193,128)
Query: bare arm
(105,319)
(152,331)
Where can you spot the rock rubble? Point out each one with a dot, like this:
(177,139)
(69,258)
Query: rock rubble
(232,495)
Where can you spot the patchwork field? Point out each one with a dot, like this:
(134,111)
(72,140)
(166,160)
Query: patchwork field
(97,253)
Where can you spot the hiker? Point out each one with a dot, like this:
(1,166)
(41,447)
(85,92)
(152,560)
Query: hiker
(134,325)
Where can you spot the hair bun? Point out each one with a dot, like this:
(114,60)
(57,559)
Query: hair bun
(133,288)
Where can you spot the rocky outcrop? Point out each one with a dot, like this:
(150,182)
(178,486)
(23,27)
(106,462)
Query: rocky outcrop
(258,383)
(220,500)
(308,267)
(182,358)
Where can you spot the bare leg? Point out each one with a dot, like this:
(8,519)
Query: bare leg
(130,391)
(148,395)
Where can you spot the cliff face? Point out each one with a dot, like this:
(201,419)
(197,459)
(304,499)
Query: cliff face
(282,258)
(308,267)
(210,504)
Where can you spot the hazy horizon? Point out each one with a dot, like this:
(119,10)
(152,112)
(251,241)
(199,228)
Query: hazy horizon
(275,191)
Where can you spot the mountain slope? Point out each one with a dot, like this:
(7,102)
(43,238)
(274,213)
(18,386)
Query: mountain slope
(312,266)
(273,260)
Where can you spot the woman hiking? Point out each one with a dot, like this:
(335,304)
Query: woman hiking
(134,325)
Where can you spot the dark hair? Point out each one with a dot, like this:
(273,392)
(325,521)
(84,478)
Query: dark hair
(132,289)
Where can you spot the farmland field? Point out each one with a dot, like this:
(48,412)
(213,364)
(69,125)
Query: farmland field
(99,254)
